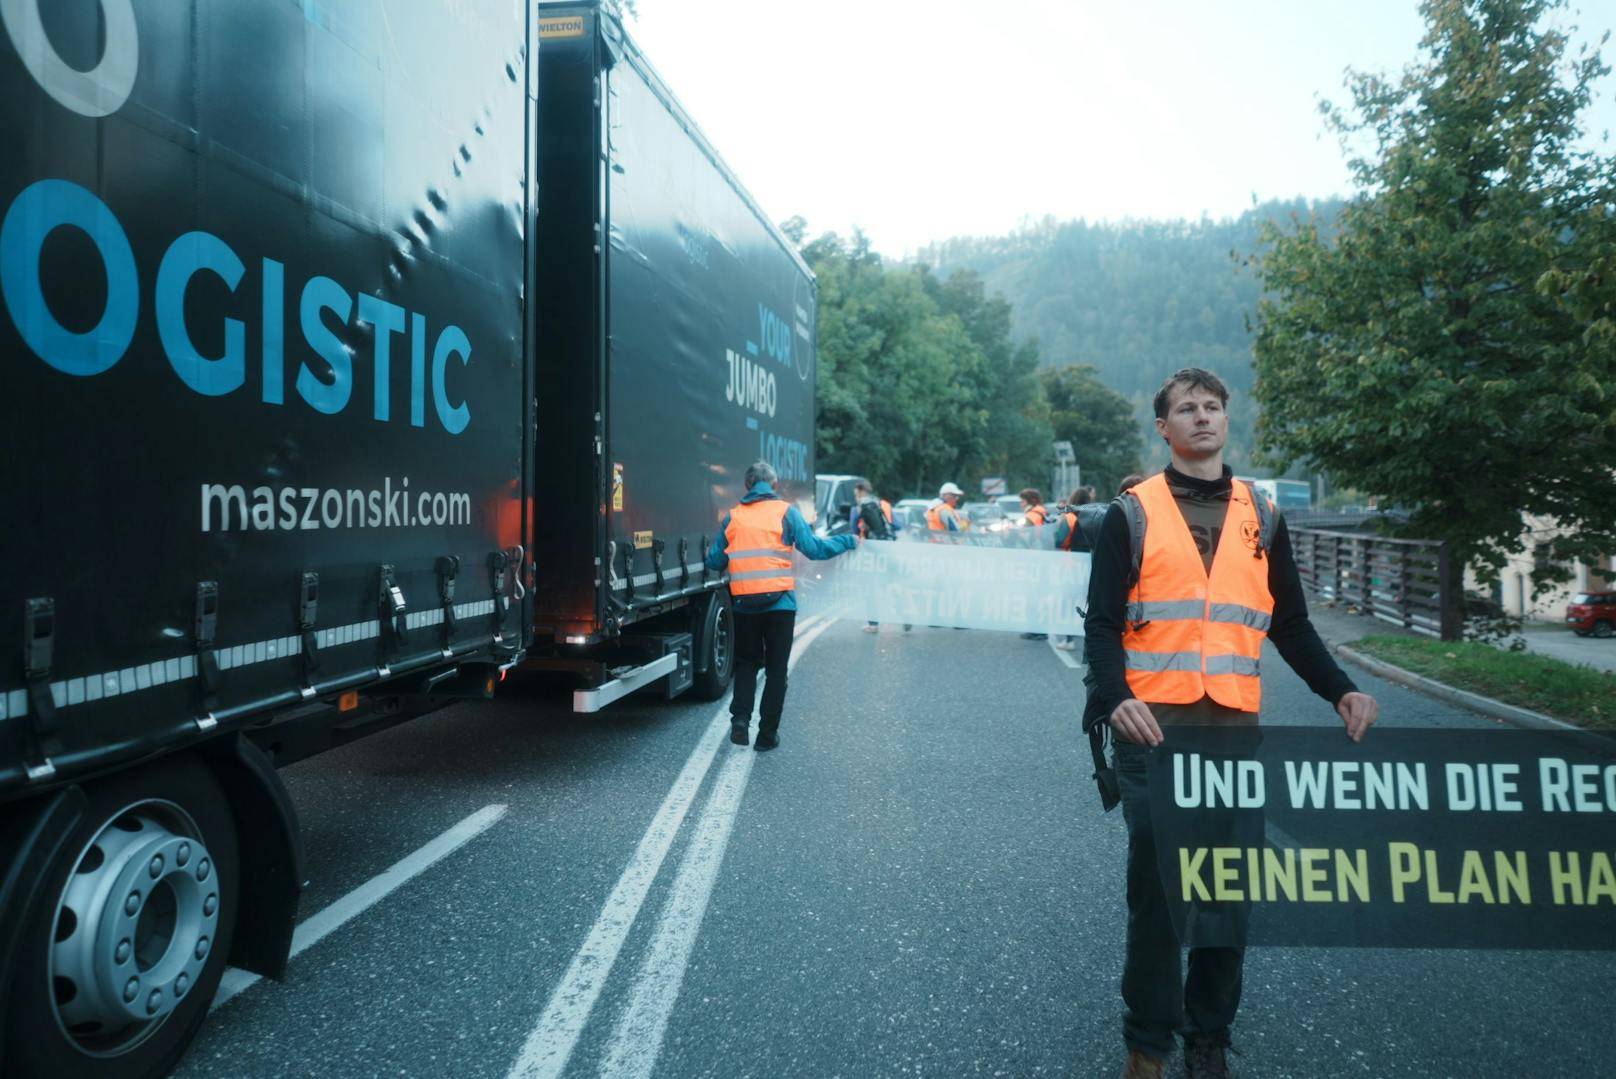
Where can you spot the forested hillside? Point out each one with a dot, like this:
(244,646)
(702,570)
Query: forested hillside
(1137,300)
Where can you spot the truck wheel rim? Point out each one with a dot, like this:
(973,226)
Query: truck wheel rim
(134,928)
(721,640)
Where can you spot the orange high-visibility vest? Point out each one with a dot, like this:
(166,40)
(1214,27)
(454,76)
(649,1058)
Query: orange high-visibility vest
(1042,516)
(759,560)
(934,517)
(1189,634)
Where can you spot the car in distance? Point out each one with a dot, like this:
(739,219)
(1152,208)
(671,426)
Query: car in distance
(1592,613)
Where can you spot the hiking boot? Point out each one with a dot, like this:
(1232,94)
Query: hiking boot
(1206,1062)
(1144,1066)
(738,733)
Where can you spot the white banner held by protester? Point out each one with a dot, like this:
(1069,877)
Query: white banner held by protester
(1025,585)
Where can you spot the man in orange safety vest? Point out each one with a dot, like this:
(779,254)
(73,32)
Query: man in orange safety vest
(754,543)
(1173,636)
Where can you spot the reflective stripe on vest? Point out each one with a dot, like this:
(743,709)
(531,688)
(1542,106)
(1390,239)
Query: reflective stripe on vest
(759,560)
(1192,634)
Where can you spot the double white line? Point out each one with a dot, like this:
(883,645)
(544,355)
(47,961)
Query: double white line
(637,1038)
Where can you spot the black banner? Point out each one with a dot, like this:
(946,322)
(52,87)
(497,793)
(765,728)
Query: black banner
(1413,838)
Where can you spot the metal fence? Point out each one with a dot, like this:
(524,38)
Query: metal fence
(1409,583)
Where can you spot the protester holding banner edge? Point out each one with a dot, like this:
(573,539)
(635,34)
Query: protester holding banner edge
(754,544)
(1174,630)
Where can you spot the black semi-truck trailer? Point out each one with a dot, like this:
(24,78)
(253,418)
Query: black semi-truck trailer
(677,347)
(292,453)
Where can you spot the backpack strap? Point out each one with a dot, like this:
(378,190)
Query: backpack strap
(1267,519)
(1134,511)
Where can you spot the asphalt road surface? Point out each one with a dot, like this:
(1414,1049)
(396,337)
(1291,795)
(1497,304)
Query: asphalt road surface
(918,882)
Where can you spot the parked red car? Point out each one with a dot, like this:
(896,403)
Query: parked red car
(1592,612)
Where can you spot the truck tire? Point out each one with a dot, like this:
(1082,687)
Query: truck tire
(124,946)
(715,636)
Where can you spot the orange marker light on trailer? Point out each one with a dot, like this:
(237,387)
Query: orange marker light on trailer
(348,701)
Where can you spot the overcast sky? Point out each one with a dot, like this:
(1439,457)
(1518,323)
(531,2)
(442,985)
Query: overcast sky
(924,119)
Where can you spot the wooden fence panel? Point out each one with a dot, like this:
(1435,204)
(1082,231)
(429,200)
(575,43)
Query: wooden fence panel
(1408,583)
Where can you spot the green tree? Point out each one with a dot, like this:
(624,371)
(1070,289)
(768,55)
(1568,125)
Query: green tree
(919,378)
(1013,439)
(1137,299)
(1099,423)
(1435,347)
(893,371)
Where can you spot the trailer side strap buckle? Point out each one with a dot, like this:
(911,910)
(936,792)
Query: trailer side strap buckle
(395,623)
(657,547)
(499,563)
(684,563)
(704,570)
(38,648)
(308,613)
(448,569)
(207,624)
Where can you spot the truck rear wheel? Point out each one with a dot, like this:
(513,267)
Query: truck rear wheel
(716,640)
(124,946)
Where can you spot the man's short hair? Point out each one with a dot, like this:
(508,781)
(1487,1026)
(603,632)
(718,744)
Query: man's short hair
(1191,378)
(1129,482)
(862,485)
(1081,496)
(760,472)
(1033,495)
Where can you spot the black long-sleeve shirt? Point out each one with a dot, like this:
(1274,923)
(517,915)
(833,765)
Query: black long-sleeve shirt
(1291,630)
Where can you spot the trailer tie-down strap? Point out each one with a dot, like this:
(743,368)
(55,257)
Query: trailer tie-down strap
(448,569)
(684,564)
(39,621)
(207,661)
(394,621)
(498,563)
(308,613)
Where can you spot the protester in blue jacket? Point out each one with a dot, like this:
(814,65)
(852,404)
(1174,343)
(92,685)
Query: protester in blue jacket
(754,543)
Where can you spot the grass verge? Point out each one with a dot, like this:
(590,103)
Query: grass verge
(1563,690)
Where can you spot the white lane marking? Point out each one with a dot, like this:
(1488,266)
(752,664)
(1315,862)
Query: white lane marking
(1064,656)
(637,1039)
(549,1046)
(317,928)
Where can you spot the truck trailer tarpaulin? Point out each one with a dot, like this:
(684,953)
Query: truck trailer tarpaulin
(678,347)
(267,351)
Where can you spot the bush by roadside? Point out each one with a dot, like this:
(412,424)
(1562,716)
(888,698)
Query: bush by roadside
(1555,688)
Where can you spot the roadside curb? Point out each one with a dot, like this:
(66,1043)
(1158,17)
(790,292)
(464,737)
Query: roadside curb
(1508,713)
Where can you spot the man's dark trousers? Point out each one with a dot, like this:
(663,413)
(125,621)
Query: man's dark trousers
(762,641)
(1158,999)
